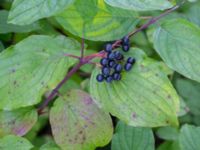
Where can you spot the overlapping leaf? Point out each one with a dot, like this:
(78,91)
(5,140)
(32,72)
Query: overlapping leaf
(189,138)
(144,96)
(132,138)
(17,122)
(177,41)
(78,124)
(25,12)
(6,28)
(140,5)
(32,67)
(97,21)
(11,142)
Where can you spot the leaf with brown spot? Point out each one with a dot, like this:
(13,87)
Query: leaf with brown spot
(25,66)
(17,122)
(78,124)
(140,98)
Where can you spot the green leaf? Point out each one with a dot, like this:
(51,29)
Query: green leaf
(49,146)
(140,5)
(17,122)
(169,145)
(11,142)
(189,90)
(144,96)
(189,138)
(177,41)
(193,13)
(25,12)
(168,133)
(6,28)
(78,124)
(99,23)
(132,138)
(33,67)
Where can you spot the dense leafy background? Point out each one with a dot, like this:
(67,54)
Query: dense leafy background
(156,106)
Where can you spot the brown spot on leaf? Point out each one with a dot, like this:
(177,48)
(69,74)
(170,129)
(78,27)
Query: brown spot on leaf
(13,70)
(88,101)
(134,116)
(169,96)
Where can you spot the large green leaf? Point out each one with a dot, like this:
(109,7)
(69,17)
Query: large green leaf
(78,124)
(11,142)
(97,21)
(140,5)
(32,67)
(6,28)
(144,96)
(17,122)
(189,138)
(189,90)
(178,43)
(132,138)
(25,12)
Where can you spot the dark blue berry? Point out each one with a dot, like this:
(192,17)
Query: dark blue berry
(131,60)
(125,48)
(125,40)
(104,61)
(108,47)
(116,76)
(128,66)
(111,63)
(100,77)
(118,67)
(105,71)
(109,79)
(111,55)
(117,54)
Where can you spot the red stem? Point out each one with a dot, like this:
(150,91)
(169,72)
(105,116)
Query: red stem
(86,59)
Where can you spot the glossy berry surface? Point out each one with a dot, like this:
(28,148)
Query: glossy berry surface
(104,61)
(116,76)
(105,71)
(111,63)
(131,60)
(125,48)
(111,55)
(118,67)
(128,66)
(109,79)
(108,47)
(100,78)
(125,40)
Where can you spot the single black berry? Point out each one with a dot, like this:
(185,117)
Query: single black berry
(104,61)
(125,48)
(116,76)
(111,63)
(109,79)
(105,71)
(100,77)
(125,40)
(128,66)
(108,47)
(111,55)
(131,60)
(118,67)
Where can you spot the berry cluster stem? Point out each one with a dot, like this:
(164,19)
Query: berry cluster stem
(86,59)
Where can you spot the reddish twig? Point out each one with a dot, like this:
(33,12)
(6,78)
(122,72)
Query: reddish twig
(86,59)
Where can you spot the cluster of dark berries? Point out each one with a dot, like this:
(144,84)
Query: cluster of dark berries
(115,63)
